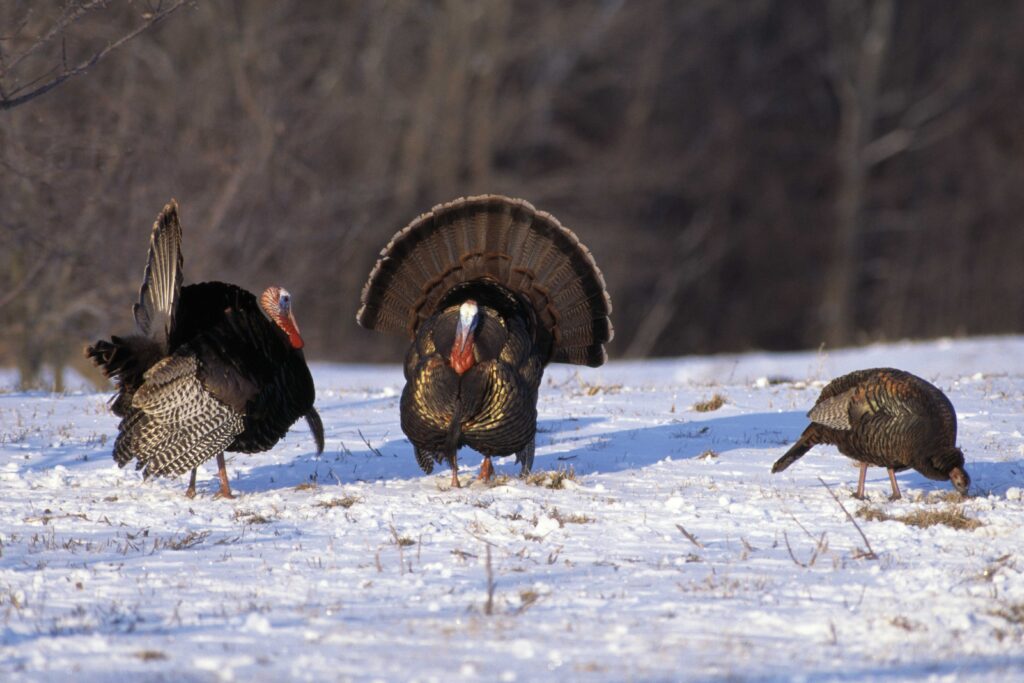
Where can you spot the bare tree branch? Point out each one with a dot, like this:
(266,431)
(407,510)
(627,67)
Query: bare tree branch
(71,14)
(12,100)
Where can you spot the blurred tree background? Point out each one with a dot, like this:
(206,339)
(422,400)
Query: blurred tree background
(759,174)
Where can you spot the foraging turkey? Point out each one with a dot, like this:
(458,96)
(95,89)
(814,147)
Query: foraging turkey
(211,368)
(887,418)
(489,291)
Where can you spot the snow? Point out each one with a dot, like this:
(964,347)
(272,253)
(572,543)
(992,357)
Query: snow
(674,554)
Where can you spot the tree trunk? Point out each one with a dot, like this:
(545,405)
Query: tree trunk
(856,79)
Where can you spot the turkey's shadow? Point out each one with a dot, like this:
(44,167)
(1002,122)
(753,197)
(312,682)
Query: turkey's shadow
(349,458)
(628,449)
(581,444)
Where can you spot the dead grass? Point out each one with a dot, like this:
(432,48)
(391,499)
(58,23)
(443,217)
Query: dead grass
(150,655)
(306,486)
(713,403)
(569,518)
(251,517)
(527,598)
(553,480)
(588,389)
(942,497)
(952,517)
(1013,613)
(346,502)
(907,624)
(401,541)
(183,542)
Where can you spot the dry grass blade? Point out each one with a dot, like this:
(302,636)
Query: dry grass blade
(870,553)
(690,537)
(820,546)
(375,451)
(489,605)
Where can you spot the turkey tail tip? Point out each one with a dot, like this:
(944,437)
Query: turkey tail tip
(101,354)
(316,426)
(170,210)
(792,455)
(161,280)
(91,351)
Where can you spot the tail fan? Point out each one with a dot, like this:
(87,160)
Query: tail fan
(161,284)
(494,239)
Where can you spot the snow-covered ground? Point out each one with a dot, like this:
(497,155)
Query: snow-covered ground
(673,555)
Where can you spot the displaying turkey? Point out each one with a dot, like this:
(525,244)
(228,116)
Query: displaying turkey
(490,291)
(211,368)
(888,418)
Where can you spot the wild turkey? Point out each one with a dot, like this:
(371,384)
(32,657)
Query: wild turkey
(210,369)
(490,291)
(887,418)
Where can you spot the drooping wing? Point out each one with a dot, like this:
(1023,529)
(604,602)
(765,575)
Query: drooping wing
(176,423)
(834,411)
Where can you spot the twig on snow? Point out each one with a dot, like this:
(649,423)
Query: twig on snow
(870,554)
(375,451)
(690,537)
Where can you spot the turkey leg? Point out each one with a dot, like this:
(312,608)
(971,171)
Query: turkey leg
(860,483)
(453,461)
(222,472)
(525,457)
(895,487)
(190,492)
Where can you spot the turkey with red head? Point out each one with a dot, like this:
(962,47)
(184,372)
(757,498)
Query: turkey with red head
(489,291)
(210,368)
(887,418)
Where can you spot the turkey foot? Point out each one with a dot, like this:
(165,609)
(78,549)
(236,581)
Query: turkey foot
(486,470)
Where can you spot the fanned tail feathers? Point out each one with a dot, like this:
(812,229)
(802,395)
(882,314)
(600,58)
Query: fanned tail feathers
(493,239)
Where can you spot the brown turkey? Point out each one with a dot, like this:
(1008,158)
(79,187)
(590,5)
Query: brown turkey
(211,368)
(887,418)
(489,291)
